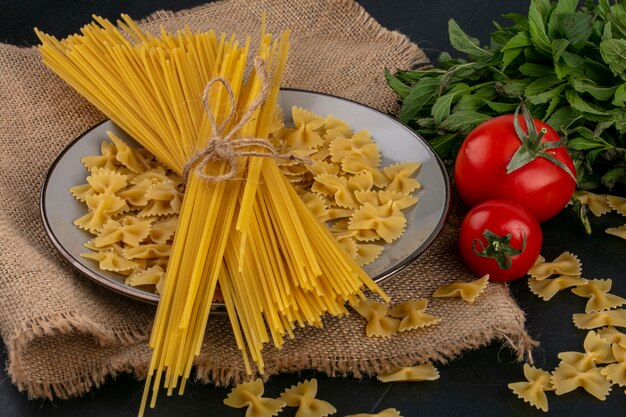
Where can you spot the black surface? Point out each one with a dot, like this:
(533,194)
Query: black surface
(473,385)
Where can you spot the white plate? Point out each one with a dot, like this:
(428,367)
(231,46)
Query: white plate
(396,142)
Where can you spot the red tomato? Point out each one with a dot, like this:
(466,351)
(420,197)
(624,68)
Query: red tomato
(541,186)
(500,238)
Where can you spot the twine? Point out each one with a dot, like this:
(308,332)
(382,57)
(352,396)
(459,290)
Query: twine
(221,145)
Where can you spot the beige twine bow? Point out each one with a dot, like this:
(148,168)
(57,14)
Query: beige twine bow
(225,148)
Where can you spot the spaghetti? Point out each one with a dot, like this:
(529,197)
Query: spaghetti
(276,264)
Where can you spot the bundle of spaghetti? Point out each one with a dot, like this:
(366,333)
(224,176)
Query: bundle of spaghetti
(277,266)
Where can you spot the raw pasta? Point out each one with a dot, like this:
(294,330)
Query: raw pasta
(617,231)
(425,372)
(597,290)
(612,335)
(111,260)
(533,391)
(565,264)
(378,324)
(389,412)
(303,397)
(345,181)
(617,203)
(250,395)
(128,177)
(616,372)
(186,97)
(600,319)
(468,291)
(548,287)
(597,351)
(598,203)
(413,315)
(567,378)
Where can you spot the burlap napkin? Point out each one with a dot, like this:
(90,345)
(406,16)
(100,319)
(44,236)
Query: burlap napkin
(64,335)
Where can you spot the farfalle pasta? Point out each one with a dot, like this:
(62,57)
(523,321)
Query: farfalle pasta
(344,186)
(548,287)
(378,323)
(250,395)
(597,351)
(152,276)
(533,389)
(102,208)
(346,176)
(597,290)
(104,180)
(305,133)
(567,378)
(617,231)
(386,222)
(613,336)
(468,291)
(413,315)
(132,204)
(400,177)
(424,372)
(597,203)
(590,321)
(617,203)
(131,231)
(616,372)
(111,261)
(303,396)
(565,264)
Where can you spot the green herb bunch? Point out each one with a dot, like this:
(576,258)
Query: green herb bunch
(568,64)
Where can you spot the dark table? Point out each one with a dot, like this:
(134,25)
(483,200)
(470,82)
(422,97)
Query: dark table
(473,385)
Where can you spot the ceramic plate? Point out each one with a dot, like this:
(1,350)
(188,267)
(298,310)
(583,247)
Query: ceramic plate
(396,142)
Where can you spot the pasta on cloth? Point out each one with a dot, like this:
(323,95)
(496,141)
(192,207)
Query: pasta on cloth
(65,335)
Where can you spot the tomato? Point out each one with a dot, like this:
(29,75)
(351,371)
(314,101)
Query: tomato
(500,238)
(543,185)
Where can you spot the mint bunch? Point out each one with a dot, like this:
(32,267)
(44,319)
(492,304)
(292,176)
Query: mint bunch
(567,63)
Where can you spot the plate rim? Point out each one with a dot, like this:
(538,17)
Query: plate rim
(151,298)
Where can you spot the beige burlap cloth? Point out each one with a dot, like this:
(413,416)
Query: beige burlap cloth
(65,335)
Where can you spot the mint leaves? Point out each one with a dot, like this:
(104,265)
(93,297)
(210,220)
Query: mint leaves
(567,63)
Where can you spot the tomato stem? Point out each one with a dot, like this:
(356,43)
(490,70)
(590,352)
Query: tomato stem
(532,147)
(498,248)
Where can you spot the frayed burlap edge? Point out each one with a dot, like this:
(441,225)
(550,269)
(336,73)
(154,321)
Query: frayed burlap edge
(65,324)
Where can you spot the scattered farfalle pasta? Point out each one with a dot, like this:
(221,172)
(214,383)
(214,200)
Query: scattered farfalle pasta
(389,412)
(617,231)
(468,291)
(548,287)
(413,315)
(567,378)
(597,351)
(603,346)
(590,321)
(565,264)
(597,290)
(616,372)
(613,336)
(424,372)
(598,204)
(617,203)
(250,395)
(303,397)
(533,390)
(378,324)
